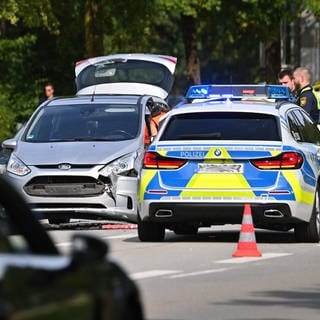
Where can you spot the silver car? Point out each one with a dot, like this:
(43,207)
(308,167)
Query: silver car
(81,157)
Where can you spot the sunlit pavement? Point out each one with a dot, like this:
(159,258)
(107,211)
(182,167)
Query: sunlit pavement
(195,277)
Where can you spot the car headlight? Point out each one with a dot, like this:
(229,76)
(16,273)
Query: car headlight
(121,165)
(17,167)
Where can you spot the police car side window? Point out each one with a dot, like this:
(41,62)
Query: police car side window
(295,127)
(310,133)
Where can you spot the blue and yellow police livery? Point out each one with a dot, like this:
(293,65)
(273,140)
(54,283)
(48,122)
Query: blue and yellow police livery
(232,145)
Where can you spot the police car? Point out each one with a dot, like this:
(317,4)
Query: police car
(230,146)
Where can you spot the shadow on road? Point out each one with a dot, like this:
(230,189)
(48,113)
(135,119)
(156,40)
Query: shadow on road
(233,236)
(301,298)
(262,236)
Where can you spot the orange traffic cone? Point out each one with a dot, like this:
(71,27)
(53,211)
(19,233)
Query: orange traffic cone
(247,246)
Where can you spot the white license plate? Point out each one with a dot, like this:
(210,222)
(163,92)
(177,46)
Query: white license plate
(220,168)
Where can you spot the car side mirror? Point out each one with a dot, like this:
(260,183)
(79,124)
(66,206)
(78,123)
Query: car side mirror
(86,248)
(9,144)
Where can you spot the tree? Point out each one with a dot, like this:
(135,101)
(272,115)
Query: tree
(215,41)
(93,24)
(190,19)
(29,13)
(128,26)
(18,91)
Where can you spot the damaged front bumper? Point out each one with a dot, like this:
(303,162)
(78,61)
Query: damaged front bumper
(118,203)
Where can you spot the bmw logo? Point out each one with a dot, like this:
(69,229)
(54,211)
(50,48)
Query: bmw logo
(64,166)
(217,152)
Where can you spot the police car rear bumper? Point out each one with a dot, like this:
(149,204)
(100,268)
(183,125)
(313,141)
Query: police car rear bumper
(264,215)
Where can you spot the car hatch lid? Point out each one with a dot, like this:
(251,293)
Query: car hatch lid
(126,74)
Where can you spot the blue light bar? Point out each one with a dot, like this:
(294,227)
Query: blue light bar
(265,91)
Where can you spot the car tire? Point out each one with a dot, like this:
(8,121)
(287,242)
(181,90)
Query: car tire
(310,232)
(186,230)
(58,220)
(150,232)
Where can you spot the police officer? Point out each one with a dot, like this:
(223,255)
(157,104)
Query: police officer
(305,96)
(285,77)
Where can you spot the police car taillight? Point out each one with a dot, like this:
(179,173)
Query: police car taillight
(286,160)
(153,160)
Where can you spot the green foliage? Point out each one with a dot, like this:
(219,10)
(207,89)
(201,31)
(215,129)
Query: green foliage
(129,26)
(6,116)
(31,13)
(40,40)
(191,7)
(16,92)
(314,6)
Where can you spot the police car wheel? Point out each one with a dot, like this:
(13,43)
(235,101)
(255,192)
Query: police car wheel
(150,232)
(310,232)
(186,229)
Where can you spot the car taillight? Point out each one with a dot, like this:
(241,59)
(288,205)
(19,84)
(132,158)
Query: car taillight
(154,161)
(286,160)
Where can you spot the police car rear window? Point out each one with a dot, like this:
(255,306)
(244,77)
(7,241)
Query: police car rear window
(222,126)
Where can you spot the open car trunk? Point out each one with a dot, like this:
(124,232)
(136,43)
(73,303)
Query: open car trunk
(132,74)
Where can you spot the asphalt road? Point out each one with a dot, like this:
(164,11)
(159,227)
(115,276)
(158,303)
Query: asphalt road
(195,277)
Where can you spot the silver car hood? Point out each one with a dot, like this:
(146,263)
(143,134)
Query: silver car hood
(74,152)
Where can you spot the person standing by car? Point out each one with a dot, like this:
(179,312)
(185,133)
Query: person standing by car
(49,92)
(285,77)
(158,111)
(305,95)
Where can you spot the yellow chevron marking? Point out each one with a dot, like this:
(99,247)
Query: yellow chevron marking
(234,185)
(300,194)
(217,184)
(275,152)
(218,193)
(162,152)
(146,177)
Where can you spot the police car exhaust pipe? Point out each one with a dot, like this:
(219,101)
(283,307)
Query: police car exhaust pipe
(164,213)
(273,213)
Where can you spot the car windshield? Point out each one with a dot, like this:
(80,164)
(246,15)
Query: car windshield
(85,122)
(222,126)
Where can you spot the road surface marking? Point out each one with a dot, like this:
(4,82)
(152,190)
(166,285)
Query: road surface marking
(121,236)
(265,256)
(198,273)
(152,274)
